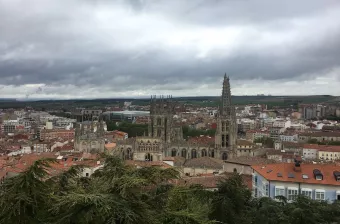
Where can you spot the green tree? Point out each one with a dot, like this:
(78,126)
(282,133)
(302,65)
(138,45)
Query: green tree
(267,142)
(231,201)
(25,197)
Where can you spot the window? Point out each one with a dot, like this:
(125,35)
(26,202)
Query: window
(265,189)
(279,191)
(306,192)
(319,195)
(292,193)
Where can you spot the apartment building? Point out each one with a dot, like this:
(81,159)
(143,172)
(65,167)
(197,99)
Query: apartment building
(46,134)
(320,136)
(251,135)
(318,182)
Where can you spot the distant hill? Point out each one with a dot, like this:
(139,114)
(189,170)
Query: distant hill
(199,100)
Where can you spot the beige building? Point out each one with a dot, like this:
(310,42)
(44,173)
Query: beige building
(320,136)
(256,134)
(329,153)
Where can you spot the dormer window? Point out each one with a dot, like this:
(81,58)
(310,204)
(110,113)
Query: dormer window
(336,175)
(317,174)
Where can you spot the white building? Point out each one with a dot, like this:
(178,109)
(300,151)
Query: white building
(22,150)
(49,125)
(310,151)
(289,137)
(319,182)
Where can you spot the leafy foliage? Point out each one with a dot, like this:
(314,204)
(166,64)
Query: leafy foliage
(189,132)
(133,130)
(121,194)
(267,142)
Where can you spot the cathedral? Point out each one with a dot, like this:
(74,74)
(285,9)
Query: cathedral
(165,138)
(90,136)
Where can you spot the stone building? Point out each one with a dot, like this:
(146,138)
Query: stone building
(90,136)
(165,137)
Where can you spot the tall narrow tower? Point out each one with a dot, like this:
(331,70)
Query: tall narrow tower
(226,133)
(161,118)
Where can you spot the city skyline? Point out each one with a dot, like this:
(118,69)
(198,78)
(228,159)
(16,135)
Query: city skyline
(121,49)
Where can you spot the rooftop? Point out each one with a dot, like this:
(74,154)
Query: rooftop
(248,160)
(204,162)
(285,172)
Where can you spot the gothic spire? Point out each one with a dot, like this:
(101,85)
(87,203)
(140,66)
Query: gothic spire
(226,107)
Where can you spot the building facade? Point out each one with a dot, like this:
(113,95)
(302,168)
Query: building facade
(90,136)
(318,182)
(165,137)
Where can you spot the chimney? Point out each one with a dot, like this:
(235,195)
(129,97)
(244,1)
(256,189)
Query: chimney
(297,165)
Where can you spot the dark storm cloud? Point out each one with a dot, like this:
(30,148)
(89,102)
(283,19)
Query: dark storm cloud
(57,44)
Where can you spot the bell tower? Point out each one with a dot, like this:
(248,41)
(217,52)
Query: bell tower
(226,132)
(161,118)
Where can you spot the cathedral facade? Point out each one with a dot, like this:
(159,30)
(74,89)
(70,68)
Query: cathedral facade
(165,138)
(90,136)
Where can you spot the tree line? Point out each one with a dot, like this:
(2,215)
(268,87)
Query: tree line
(121,194)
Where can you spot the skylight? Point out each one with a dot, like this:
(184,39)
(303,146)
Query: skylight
(291,175)
(305,176)
(279,174)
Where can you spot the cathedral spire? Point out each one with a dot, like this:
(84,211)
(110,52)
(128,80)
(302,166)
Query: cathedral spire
(226,97)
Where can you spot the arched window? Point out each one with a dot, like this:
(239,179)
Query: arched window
(184,153)
(148,146)
(148,157)
(212,153)
(204,153)
(173,152)
(193,153)
(128,154)
(224,156)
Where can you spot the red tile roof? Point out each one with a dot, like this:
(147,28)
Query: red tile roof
(307,169)
(328,148)
(211,181)
(205,140)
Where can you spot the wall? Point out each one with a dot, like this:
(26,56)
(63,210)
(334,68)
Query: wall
(240,168)
(194,171)
(88,171)
(310,153)
(140,156)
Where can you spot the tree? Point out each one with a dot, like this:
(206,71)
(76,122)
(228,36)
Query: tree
(267,142)
(24,197)
(231,201)
(122,194)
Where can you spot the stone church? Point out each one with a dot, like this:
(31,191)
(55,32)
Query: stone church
(165,138)
(90,136)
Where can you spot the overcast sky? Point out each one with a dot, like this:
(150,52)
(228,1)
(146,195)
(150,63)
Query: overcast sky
(125,48)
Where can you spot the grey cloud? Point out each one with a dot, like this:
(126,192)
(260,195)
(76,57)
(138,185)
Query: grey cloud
(222,12)
(51,48)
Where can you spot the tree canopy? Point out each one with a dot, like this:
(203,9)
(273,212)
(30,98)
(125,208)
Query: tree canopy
(121,194)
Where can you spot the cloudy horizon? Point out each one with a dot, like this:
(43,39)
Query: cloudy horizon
(137,48)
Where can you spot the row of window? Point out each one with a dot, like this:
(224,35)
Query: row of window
(292,193)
